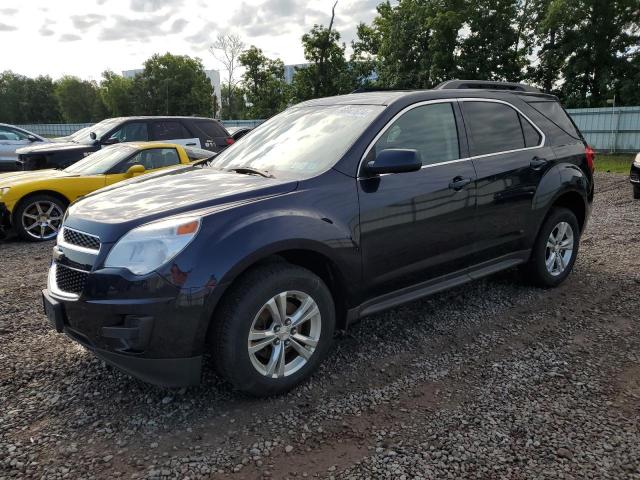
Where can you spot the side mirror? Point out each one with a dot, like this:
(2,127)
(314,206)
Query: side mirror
(32,138)
(92,135)
(395,160)
(135,170)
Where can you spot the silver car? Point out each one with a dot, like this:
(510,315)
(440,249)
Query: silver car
(12,138)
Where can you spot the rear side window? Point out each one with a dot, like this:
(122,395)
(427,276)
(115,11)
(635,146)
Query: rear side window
(211,128)
(494,127)
(169,130)
(554,112)
(429,129)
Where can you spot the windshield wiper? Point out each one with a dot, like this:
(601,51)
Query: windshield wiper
(251,171)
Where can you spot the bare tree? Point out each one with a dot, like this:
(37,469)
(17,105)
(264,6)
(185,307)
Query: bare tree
(226,49)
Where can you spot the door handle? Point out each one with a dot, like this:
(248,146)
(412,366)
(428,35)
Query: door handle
(537,163)
(190,144)
(458,183)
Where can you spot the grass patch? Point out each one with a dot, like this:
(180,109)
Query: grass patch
(614,163)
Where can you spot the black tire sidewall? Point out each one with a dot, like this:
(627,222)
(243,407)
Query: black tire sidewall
(258,290)
(636,192)
(538,266)
(22,205)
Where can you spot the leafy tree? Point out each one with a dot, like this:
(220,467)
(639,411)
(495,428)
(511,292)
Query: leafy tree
(263,81)
(79,100)
(490,52)
(328,73)
(173,85)
(238,100)
(600,47)
(117,94)
(26,100)
(412,44)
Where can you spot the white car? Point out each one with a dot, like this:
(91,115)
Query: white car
(12,138)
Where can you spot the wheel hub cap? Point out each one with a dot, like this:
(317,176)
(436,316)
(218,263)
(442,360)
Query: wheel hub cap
(42,219)
(284,334)
(559,248)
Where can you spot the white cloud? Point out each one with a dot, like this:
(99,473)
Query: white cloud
(89,36)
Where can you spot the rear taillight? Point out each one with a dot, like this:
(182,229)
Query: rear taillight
(590,156)
(229,140)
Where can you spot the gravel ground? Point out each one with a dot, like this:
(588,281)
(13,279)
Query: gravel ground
(491,380)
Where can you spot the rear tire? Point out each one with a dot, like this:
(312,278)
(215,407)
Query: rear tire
(555,249)
(38,218)
(259,346)
(636,192)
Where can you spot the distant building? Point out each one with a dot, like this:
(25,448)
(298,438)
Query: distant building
(290,71)
(212,75)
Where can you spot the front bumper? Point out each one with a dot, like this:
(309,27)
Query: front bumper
(155,337)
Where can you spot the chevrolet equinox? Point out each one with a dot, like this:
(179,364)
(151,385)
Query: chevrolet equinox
(334,209)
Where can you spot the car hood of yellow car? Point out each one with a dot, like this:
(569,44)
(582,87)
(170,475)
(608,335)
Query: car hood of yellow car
(12,179)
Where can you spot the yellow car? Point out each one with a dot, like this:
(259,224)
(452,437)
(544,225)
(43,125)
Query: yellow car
(34,202)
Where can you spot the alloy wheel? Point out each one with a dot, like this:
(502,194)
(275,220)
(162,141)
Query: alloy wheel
(559,248)
(284,334)
(42,219)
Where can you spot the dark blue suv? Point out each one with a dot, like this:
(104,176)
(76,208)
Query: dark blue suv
(335,209)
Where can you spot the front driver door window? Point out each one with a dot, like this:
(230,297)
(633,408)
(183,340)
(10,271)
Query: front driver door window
(151,159)
(426,219)
(130,132)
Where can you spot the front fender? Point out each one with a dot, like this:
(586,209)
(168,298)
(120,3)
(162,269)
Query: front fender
(322,221)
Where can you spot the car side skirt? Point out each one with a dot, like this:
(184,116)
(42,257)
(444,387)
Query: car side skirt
(429,287)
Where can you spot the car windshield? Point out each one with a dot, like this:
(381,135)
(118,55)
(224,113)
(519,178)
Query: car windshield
(102,161)
(84,135)
(299,142)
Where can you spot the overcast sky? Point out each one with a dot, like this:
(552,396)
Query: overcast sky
(86,37)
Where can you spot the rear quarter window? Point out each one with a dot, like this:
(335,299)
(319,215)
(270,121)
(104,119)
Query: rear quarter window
(554,112)
(210,128)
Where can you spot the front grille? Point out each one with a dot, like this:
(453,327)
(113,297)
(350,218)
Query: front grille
(80,239)
(70,280)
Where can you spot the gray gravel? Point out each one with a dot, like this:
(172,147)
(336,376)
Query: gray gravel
(491,380)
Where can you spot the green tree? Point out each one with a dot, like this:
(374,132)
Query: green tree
(263,81)
(413,43)
(26,100)
(79,100)
(117,94)
(328,72)
(600,47)
(237,98)
(490,52)
(172,85)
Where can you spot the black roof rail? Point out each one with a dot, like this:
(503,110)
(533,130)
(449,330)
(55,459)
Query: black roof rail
(485,85)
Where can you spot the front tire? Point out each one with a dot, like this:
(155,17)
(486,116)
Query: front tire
(39,217)
(273,329)
(636,192)
(555,250)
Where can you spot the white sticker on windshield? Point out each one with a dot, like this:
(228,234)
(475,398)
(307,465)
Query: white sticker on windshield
(357,111)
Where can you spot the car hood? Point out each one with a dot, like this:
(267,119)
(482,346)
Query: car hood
(52,147)
(12,179)
(111,212)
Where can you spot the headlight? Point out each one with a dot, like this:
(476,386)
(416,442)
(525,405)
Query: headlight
(150,246)
(636,161)
(4,191)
